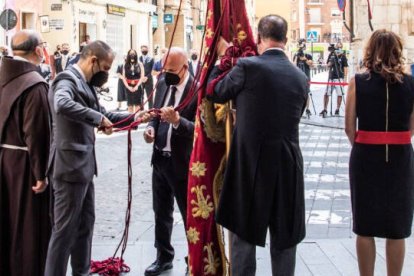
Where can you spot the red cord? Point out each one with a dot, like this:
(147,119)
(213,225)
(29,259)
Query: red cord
(113,266)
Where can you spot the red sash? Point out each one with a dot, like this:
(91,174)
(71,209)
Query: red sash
(383,138)
(133,82)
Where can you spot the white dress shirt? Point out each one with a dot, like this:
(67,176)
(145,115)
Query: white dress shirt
(194,64)
(178,94)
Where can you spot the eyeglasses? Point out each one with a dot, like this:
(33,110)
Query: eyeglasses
(42,44)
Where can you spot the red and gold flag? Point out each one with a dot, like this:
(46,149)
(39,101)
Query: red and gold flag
(227,18)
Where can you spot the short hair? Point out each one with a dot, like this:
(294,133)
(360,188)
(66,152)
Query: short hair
(273,27)
(97,48)
(29,45)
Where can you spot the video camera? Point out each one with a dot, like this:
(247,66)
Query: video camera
(301,47)
(332,48)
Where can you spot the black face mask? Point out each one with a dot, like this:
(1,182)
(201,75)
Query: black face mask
(171,79)
(99,79)
(65,52)
(144,52)
(132,57)
(194,57)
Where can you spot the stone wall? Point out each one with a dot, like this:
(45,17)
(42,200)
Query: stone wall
(395,15)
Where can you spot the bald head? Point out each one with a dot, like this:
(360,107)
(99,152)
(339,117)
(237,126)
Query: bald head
(176,62)
(177,57)
(25,41)
(28,44)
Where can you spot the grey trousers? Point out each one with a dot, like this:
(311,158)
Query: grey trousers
(243,258)
(74,217)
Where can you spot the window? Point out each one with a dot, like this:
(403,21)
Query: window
(294,16)
(315,15)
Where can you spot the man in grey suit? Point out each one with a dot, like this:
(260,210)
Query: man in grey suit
(76,113)
(263,184)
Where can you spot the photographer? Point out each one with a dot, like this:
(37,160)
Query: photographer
(338,71)
(304,62)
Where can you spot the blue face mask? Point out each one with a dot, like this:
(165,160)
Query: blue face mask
(339,51)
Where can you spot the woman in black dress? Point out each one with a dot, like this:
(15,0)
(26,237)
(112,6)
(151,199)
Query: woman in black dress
(133,74)
(381,166)
(121,87)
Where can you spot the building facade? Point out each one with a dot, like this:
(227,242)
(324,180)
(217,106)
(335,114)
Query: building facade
(122,24)
(283,8)
(190,26)
(319,21)
(396,15)
(320,16)
(27,13)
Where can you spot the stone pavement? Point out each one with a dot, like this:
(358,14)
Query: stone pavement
(329,245)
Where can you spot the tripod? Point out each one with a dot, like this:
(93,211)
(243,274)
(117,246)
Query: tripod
(301,65)
(333,76)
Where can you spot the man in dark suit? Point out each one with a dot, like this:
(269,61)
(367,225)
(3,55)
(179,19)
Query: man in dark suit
(61,61)
(76,113)
(263,185)
(148,83)
(172,135)
(194,63)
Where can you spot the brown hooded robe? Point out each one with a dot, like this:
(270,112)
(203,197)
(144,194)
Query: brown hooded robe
(24,216)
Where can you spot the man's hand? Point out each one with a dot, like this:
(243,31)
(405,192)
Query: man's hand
(149,135)
(144,79)
(106,126)
(222,46)
(145,116)
(40,187)
(169,115)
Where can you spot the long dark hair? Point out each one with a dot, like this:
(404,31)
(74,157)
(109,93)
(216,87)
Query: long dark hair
(128,59)
(383,55)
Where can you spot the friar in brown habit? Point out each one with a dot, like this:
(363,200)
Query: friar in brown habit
(24,150)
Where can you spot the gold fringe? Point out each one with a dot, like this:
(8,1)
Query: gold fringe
(214,117)
(217,186)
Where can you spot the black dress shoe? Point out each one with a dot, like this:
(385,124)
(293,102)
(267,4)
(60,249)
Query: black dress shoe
(158,267)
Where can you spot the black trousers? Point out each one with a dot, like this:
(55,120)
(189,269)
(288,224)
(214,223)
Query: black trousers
(148,87)
(74,218)
(167,183)
(243,258)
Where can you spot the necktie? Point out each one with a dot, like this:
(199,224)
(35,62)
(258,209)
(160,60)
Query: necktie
(162,133)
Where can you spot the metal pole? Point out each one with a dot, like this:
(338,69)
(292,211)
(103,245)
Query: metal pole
(351,19)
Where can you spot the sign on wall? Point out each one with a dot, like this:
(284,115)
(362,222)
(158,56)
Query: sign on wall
(168,18)
(115,10)
(56,24)
(154,21)
(44,24)
(86,16)
(56,7)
